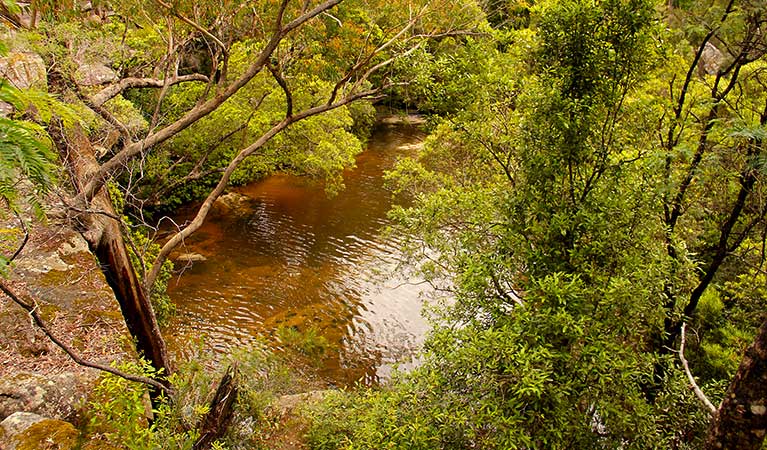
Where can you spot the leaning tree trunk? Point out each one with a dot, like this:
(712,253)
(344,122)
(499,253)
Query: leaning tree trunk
(741,421)
(100,227)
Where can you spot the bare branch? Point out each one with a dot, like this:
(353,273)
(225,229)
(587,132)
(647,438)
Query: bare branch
(698,392)
(112,91)
(24,241)
(193,24)
(284,85)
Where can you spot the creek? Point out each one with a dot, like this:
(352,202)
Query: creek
(290,263)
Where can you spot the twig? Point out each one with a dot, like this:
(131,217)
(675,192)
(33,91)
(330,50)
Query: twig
(698,392)
(26,237)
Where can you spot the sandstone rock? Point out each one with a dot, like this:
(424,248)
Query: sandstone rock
(190,257)
(18,422)
(288,403)
(408,119)
(24,70)
(42,263)
(5,109)
(56,396)
(22,431)
(711,60)
(75,244)
(232,204)
(94,75)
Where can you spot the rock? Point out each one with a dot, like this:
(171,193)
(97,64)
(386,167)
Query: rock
(232,204)
(190,257)
(75,244)
(5,109)
(24,70)
(94,75)
(288,403)
(42,263)
(407,119)
(711,60)
(18,422)
(56,396)
(411,147)
(21,431)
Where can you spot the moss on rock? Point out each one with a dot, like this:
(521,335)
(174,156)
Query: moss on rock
(50,434)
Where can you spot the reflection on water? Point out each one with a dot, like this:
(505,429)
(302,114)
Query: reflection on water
(287,255)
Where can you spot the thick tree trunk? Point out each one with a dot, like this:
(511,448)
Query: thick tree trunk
(741,421)
(101,229)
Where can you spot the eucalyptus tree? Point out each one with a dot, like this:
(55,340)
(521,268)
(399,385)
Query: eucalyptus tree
(258,55)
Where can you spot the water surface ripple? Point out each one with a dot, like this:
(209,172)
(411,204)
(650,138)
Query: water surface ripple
(289,256)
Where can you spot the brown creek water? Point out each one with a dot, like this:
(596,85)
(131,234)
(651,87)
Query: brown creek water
(289,256)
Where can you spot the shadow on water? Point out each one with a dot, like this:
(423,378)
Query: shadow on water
(287,257)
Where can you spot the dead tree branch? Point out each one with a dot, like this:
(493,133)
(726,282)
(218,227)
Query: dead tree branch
(698,392)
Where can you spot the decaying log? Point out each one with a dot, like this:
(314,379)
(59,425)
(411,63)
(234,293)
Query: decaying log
(216,421)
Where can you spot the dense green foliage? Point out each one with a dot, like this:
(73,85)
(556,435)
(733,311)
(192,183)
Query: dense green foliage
(539,202)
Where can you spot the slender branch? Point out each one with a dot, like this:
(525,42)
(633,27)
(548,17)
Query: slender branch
(32,310)
(670,141)
(369,57)
(112,91)
(196,173)
(698,392)
(170,62)
(106,115)
(23,242)
(284,85)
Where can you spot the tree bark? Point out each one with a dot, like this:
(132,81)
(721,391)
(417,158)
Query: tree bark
(100,226)
(216,421)
(741,421)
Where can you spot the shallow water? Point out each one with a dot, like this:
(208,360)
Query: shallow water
(289,256)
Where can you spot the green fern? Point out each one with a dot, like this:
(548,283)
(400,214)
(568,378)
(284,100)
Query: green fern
(26,159)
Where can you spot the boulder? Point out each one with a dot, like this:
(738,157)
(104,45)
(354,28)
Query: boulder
(18,422)
(190,257)
(57,396)
(24,70)
(42,263)
(21,431)
(94,74)
(711,60)
(287,403)
(232,204)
